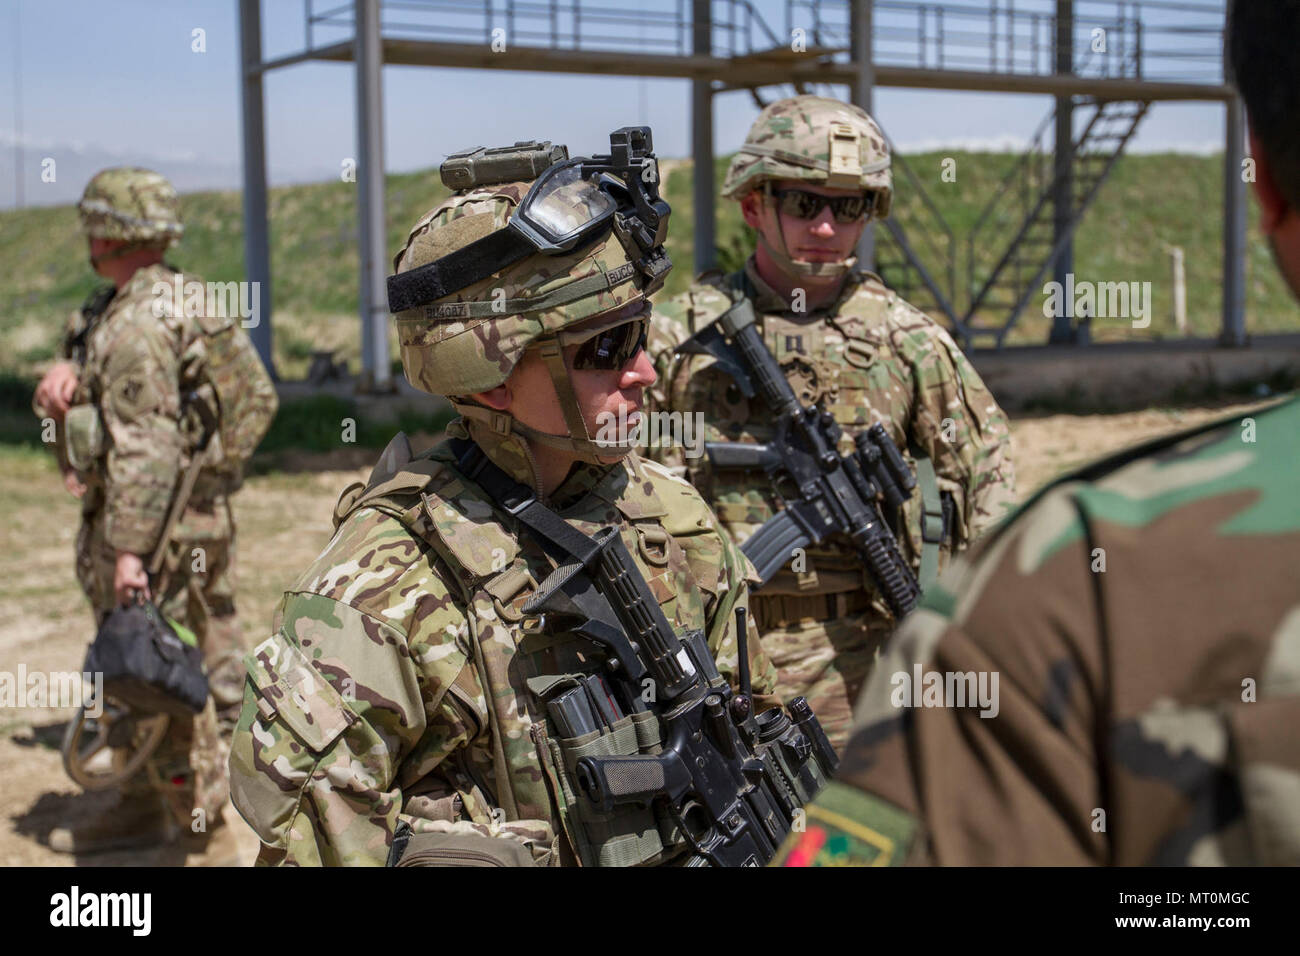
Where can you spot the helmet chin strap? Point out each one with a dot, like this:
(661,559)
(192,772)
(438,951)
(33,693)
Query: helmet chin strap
(584,448)
(820,270)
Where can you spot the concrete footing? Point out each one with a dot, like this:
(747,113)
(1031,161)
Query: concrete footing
(1135,375)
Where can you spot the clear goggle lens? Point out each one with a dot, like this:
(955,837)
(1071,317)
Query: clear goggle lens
(565,203)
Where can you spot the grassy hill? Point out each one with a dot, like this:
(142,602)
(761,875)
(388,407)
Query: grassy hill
(1149,202)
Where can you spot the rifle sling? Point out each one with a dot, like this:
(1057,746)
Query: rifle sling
(554,533)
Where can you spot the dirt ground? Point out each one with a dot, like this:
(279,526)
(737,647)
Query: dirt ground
(284,521)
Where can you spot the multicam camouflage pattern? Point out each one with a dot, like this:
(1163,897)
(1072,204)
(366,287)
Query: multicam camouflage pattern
(133,205)
(1147,711)
(869,356)
(243,393)
(396,681)
(792,139)
(136,367)
(447,352)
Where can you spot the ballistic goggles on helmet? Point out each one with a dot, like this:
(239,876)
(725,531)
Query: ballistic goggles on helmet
(802,204)
(573,202)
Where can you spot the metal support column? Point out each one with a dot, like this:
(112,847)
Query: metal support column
(1063,330)
(702,142)
(861,94)
(373,298)
(1234,227)
(257,250)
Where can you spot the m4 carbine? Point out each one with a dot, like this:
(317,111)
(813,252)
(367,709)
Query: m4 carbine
(823,492)
(732,780)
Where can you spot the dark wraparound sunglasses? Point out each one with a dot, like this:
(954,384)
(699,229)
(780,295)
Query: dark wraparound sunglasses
(612,348)
(805,205)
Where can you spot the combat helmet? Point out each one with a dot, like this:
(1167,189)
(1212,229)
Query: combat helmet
(817,140)
(530,245)
(134,205)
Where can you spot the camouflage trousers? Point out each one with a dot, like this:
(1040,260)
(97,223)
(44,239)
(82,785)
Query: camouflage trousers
(823,647)
(189,766)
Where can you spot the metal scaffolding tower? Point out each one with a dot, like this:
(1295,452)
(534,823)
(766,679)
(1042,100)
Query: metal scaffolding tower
(1154,50)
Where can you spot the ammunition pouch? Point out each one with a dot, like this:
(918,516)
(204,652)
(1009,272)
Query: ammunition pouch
(627,835)
(85,436)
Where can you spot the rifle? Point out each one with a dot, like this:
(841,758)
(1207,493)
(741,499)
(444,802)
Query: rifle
(823,492)
(91,310)
(730,779)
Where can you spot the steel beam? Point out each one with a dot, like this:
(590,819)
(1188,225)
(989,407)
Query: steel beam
(862,93)
(257,249)
(744,72)
(373,297)
(702,143)
(1234,227)
(1063,329)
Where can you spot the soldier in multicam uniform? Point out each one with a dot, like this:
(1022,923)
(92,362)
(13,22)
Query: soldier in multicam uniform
(1143,617)
(401,696)
(847,341)
(128,359)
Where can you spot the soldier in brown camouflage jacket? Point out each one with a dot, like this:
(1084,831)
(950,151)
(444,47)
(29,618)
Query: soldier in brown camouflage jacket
(1114,676)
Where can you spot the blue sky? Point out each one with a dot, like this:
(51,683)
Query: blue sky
(104,83)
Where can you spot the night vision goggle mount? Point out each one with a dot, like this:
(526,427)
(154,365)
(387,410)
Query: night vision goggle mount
(572,202)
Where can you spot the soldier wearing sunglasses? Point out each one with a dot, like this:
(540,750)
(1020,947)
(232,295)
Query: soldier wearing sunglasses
(406,708)
(809,177)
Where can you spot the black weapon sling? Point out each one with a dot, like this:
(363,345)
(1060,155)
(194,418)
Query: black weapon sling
(560,539)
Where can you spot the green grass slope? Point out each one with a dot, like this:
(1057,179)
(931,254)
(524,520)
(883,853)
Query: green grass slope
(1150,202)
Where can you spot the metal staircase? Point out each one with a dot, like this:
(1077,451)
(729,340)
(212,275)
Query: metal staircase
(1004,275)
(916,252)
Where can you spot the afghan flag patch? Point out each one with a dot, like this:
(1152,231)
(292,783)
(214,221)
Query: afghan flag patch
(846,827)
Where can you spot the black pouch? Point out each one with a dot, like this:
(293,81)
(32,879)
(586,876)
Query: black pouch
(146,665)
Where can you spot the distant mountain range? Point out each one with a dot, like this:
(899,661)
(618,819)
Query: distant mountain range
(75,163)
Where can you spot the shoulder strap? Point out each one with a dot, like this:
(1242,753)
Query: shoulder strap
(553,532)
(740,286)
(182,498)
(389,476)
(414,490)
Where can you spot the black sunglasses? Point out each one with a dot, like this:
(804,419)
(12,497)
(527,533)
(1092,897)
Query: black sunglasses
(805,205)
(612,348)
